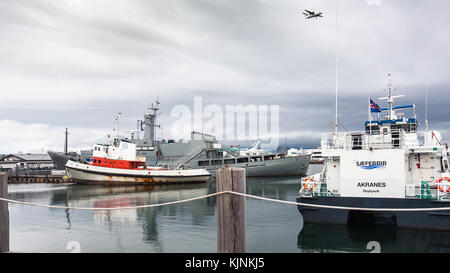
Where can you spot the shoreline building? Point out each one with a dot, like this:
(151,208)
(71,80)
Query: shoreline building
(25,162)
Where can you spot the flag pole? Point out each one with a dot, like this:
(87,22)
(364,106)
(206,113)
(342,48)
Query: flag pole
(426,106)
(370,124)
(337,68)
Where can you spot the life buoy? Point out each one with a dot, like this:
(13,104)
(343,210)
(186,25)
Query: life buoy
(309,183)
(446,188)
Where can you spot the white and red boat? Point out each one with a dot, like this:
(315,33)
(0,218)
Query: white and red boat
(117,164)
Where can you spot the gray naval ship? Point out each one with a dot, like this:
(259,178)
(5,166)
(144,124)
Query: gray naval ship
(201,151)
(204,151)
(60,158)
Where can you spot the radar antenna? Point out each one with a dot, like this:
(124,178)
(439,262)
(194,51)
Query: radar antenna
(390,98)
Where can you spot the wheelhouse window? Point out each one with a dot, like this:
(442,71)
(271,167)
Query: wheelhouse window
(229,161)
(242,160)
(216,162)
(375,130)
(203,163)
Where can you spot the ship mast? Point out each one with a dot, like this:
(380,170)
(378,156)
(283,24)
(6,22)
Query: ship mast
(150,122)
(337,66)
(390,101)
(66,143)
(117,122)
(426,106)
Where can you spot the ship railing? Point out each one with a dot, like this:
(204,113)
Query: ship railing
(230,151)
(413,190)
(18,171)
(428,190)
(394,139)
(314,187)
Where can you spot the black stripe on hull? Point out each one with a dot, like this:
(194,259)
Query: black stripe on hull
(427,220)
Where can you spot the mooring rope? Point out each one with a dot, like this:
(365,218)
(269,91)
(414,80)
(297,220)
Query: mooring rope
(113,208)
(339,207)
(235,193)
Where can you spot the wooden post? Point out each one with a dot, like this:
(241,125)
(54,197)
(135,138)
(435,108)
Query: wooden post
(231,211)
(4,214)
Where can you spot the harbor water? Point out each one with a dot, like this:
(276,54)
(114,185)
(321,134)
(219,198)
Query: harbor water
(189,227)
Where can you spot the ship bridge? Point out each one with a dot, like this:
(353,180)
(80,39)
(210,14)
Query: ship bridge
(391,131)
(395,133)
(383,126)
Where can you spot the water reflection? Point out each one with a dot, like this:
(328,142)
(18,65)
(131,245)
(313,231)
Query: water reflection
(283,188)
(188,227)
(149,219)
(355,238)
(44,193)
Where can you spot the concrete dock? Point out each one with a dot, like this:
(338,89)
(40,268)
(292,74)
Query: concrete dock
(26,179)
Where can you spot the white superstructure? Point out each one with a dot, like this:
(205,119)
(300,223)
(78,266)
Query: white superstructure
(122,150)
(390,159)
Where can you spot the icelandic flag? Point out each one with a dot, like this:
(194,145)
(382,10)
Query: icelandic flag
(374,108)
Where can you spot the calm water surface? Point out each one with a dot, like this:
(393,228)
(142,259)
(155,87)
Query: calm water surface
(189,227)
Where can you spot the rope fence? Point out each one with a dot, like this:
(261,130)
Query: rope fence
(235,193)
(114,208)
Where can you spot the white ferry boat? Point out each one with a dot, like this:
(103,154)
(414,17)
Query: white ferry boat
(117,163)
(389,165)
(316,156)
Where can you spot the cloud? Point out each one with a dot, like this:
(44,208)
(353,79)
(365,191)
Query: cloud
(77,63)
(38,137)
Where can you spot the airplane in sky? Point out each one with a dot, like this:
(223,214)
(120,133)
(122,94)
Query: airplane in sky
(311,14)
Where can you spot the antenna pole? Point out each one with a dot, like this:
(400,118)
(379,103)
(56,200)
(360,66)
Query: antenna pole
(426,106)
(370,118)
(390,101)
(117,125)
(337,64)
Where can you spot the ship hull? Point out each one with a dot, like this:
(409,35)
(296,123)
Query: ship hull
(430,220)
(95,175)
(60,159)
(287,166)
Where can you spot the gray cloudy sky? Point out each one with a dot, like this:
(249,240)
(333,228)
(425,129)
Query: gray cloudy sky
(76,63)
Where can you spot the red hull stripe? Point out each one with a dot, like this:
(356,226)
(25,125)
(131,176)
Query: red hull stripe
(117,164)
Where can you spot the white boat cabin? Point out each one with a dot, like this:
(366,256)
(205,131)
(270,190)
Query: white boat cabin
(390,159)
